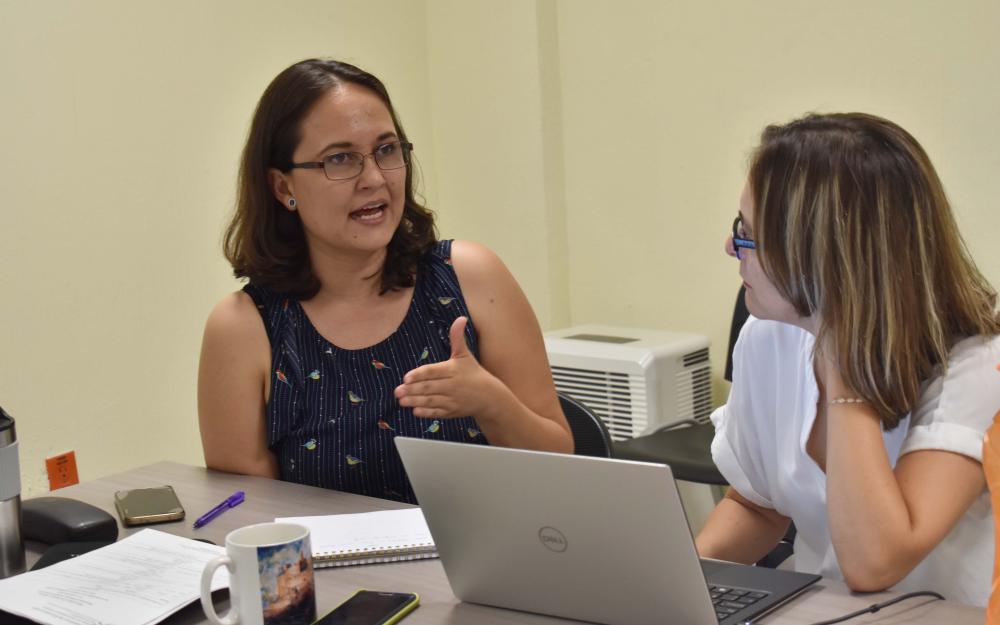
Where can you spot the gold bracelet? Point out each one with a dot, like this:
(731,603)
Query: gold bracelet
(846,400)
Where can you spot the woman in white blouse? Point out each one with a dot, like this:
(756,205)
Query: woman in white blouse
(867,374)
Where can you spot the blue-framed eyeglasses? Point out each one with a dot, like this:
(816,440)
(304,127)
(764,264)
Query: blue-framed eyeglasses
(740,238)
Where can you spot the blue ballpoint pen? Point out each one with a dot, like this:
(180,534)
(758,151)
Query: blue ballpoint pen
(234,500)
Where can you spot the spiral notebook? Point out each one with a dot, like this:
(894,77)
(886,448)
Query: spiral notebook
(367,537)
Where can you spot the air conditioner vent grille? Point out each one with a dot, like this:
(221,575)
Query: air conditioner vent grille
(696,358)
(694,394)
(619,399)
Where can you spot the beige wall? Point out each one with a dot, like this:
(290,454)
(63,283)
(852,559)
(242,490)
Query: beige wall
(599,147)
(663,101)
(496,145)
(120,125)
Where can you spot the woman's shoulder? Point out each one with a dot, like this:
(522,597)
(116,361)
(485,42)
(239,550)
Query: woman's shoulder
(764,336)
(449,250)
(235,314)
(973,370)
(958,404)
(976,350)
(970,385)
(474,263)
(262,298)
(235,327)
(474,256)
(973,367)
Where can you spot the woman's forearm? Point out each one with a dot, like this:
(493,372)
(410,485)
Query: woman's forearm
(510,423)
(739,531)
(869,521)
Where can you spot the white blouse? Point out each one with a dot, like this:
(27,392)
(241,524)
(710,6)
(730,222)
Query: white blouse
(760,448)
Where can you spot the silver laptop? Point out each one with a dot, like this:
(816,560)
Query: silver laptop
(578,537)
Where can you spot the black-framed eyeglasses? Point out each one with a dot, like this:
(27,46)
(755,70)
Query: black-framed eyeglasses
(740,238)
(347,165)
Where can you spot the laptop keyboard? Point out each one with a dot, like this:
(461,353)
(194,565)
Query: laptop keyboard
(729,601)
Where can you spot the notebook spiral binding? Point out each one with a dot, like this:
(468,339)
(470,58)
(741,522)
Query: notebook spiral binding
(353,557)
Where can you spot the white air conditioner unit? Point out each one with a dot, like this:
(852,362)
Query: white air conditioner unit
(635,380)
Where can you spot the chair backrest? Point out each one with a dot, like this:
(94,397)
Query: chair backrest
(740,314)
(590,435)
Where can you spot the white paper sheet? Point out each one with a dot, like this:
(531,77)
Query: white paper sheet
(138,580)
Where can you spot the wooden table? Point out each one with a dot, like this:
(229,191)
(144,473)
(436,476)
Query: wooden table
(200,489)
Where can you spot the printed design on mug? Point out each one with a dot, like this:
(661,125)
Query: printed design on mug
(287,592)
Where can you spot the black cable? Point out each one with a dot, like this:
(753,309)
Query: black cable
(875,607)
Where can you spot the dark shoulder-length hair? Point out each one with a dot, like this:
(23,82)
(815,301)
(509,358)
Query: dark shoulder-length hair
(266,243)
(853,227)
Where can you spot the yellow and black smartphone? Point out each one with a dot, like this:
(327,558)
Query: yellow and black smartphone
(371,607)
(140,506)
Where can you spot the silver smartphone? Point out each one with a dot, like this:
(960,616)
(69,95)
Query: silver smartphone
(140,506)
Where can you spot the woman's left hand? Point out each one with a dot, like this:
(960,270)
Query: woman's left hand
(457,387)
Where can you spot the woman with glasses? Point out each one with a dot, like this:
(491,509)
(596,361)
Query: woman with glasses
(866,377)
(357,324)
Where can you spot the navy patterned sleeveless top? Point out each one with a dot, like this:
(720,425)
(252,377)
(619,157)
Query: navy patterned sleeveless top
(332,415)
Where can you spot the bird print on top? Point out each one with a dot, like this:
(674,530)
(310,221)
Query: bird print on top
(332,414)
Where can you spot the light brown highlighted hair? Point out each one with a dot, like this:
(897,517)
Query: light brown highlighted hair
(853,227)
(265,242)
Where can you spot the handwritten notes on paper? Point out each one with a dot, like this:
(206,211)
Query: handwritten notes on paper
(138,580)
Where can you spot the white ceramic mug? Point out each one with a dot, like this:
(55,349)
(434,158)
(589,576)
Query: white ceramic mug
(270,577)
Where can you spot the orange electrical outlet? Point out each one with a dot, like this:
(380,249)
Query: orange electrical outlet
(62,470)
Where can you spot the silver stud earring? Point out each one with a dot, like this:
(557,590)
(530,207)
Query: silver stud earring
(292,203)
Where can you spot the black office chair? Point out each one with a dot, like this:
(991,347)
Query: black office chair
(590,435)
(684,445)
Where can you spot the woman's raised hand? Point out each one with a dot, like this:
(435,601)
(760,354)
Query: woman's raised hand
(457,387)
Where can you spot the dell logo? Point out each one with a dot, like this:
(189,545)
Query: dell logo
(552,539)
